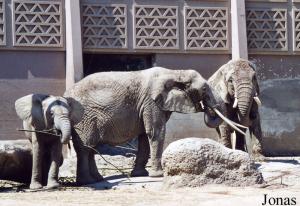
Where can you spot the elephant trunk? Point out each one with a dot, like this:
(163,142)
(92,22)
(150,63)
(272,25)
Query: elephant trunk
(63,124)
(244,96)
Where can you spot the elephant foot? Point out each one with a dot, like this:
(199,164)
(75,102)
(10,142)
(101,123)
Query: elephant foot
(52,185)
(35,186)
(97,177)
(139,172)
(94,173)
(156,173)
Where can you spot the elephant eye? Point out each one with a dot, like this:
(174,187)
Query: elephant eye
(188,84)
(230,80)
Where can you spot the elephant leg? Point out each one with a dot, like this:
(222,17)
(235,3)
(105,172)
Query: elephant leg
(56,155)
(37,154)
(240,142)
(142,157)
(224,135)
(156,149)
(156,141)
(83,174)
(93,168)
(46,163)
(256,137)
(155,127)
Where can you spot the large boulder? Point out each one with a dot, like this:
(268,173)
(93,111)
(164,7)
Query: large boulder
(193,162)
(15,160)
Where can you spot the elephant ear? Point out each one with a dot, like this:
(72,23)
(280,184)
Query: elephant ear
(255,80)
(170,95)
(76,110)
(29,108)
(219,82)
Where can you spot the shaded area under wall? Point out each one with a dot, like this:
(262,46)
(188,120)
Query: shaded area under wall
(94,62)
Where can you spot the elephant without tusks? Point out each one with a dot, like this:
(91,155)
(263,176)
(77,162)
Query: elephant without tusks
(118,106)
(236,82)
(50,114)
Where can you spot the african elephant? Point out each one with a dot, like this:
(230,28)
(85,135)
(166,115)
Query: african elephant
(118,106)
(47,124)
(236,82)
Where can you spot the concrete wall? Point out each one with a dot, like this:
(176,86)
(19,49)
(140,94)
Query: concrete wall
(22,73)
(280,94)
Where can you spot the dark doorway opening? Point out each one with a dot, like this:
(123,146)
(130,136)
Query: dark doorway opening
(115,62)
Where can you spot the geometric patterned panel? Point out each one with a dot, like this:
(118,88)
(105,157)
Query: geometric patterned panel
(104,26)
(206,28)
(297,29)
(156,27)
(267,29)
(2,23)
(38,23)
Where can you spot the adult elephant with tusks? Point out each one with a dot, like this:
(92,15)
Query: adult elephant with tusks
(118,106)
(237,85)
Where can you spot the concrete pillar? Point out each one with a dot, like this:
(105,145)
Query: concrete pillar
(239,31)
(74,66)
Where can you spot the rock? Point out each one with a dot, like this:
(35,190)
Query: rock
(15,160)
(194,162)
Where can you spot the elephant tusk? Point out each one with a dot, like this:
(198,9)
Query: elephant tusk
(235,102)
(233,140)
(239,125)
(257,100)
(202,105)
(229,122)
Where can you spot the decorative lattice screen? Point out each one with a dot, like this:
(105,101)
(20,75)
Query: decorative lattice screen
(104,26)
(267,29)
(156,27)
(206,28)
(37,23)
(2,23)
(297,29)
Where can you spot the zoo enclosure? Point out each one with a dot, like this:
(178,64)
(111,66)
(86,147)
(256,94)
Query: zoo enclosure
(48,40)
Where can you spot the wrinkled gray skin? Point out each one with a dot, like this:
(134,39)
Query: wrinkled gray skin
(42,112)
(238,79)
(118,106)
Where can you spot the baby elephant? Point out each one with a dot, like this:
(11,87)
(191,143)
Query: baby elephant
(46,121)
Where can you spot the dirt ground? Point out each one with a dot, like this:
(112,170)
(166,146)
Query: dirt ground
(282,176)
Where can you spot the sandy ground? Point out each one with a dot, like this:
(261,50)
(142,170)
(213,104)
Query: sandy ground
(282,177)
